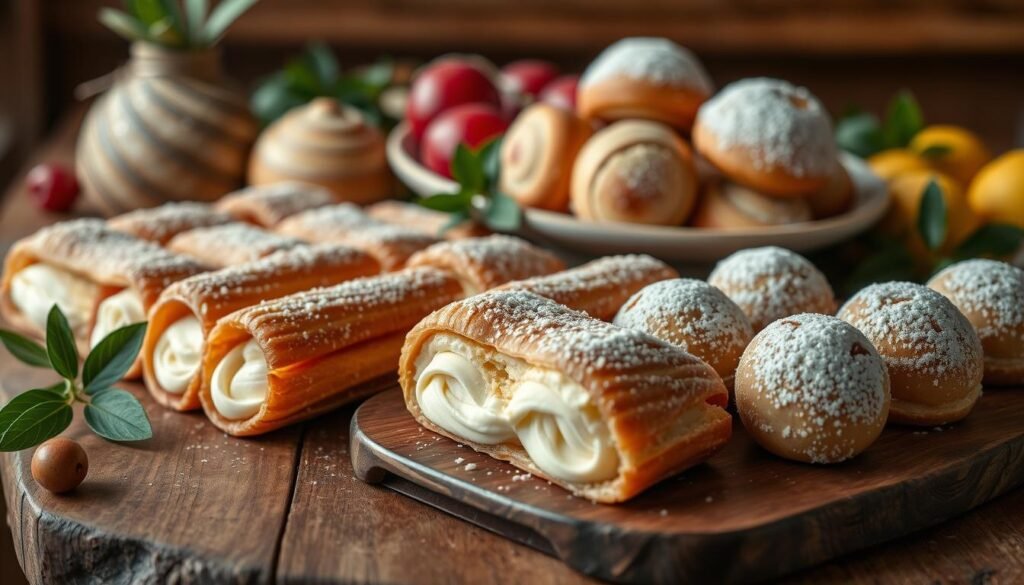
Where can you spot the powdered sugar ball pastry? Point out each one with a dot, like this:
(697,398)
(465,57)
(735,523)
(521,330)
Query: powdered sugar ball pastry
(932,353)
(812,388)
(991,295)
(695,316)
(770,135)
(771,283)
(728,205)
(634,171)
(650,78)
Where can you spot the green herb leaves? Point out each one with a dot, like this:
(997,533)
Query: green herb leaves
(932,219)
(162,22)
(37,415)
(862,134)
(478,197)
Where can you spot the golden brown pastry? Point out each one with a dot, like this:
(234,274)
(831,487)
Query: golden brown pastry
(695,316)
(481,264)
(182,318)
(346,224)
(836,197)
(634,171)
(537,155)
(769,135)
(651,78)
(602,411)
(267,205)
(425,221)
(933,355)
(160,224)
(230,244)
(991,295)
(101,279)
(598,288)
(727,205)
(771,283)
(812,388)
(284,361)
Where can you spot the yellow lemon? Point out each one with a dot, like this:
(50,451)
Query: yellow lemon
(895,161)
(907,191)
(952,150)
(997,193)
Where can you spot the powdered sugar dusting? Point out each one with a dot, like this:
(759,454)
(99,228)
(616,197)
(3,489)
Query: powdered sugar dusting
(269,204)
(232,243)
(782,125)
(492,261)
(162,223)
(645,170)
(656,60)
(770,283)
(991,293)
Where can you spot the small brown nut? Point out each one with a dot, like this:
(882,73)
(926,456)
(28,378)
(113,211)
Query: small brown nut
(59,465)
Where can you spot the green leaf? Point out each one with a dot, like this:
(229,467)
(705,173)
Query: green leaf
(448,202)
(112,357)
(860,134)
(196,12)
(122,24)
(118,416)
(163,33)
(455,219)
(903,120)
(503,213)
(274,98)
(323,63)
(302,78)
(226,13)
(33,417)
(995,239)
(147,11)
(24,349)
(60,344)
(932,222)
(378,75)
(466,169)
(489,156)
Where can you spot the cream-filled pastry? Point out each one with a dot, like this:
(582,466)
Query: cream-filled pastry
(177,354)
(116,311)
(160,224)
(230,244)
(603,411)
(38,287)
(239,383)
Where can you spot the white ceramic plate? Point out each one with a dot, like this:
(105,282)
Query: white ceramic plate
(666,242)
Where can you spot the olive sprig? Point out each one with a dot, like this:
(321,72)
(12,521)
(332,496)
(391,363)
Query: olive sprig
(42,413)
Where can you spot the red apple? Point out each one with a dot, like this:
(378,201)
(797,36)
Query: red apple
(445,83)
(561,92)
(469,124)
(52,187)
(529,76)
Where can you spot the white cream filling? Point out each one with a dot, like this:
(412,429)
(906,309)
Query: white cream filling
(551,416)
(178,353)
(114,312)
(239,382)
(38,287)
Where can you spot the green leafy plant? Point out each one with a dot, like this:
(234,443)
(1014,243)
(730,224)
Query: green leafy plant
(316,73)
(477,198)
(42,413)
(184,24)
(863,134)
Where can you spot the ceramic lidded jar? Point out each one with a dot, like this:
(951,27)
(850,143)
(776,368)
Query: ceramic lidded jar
(168,129)
(328,144)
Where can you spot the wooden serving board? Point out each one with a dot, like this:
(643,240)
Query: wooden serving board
(743,516)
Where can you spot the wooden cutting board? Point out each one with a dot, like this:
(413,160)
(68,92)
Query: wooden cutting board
(743,516)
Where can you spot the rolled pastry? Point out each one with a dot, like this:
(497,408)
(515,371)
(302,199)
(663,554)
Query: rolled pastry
(186,312)
(423,220)
(346,223)
(602,411)
(267,205)
(160,224)
(230,244)
(100,278)
(598,288)
(483,263)
(280,362)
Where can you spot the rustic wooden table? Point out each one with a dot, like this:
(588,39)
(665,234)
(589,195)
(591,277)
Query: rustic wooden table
(193,505)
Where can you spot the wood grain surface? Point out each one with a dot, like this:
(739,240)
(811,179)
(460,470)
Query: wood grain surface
(766,515)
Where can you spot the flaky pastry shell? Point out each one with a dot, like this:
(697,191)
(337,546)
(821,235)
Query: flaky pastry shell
(481,264)
(230,244)
(268,205)
(160,224)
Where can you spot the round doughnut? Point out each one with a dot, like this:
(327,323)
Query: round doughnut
(649,78)
(933,355)
(693,315)
(836,197)
(769,135)
(812,388)
(726,205)
(771,283)
(991,295)
(537,155)
(634,171)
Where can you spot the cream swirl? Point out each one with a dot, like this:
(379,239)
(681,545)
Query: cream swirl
(177,354)
(114,312)
(561,430)
(239,383)
(453,394)
(38,287)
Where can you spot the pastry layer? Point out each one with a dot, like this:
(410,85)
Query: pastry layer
(230,244)
(423,220)
(268,205)
(160,224)
(483,263)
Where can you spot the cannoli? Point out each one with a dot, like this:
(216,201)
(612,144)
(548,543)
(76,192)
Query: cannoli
(160,224)
(267,205)
(230,244)
(483,263)
(423,220)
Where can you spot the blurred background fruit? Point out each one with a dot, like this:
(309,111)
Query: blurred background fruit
(470,124)
(955,151)
(890,163)
(443,84)
(997,192)
(908,190)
